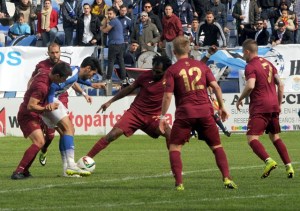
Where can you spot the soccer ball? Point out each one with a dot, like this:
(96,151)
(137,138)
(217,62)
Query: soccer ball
(86,163)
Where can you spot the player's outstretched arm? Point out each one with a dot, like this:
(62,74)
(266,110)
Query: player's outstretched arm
(122,93)
(210,51)
(100,85)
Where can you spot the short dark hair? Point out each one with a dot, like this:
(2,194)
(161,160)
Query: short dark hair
(112,9)
(164,60)
(62,69)
(123,6)
(93,62)
(86,4)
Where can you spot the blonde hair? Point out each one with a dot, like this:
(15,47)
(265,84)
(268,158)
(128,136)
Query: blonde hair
(181,45)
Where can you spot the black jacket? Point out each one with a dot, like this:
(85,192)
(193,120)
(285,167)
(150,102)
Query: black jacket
(262,38)
(94,27)
(287,38)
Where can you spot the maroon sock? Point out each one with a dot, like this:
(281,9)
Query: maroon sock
(259,149)
(221,161)
(28,158)
(281,149)
(176,166)
(99,146)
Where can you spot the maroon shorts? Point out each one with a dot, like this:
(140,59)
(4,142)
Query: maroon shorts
(258,123)
(29,123)
(131,122)
(205,127)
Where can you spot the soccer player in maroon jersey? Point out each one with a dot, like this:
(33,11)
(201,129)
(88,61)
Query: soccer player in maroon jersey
(264,108)
(188,79)
(35,102)
(143,111)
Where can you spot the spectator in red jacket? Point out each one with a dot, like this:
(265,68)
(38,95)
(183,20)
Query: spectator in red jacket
(172,28)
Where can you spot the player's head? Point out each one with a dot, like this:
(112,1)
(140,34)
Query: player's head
(89,67)
(181,46)
(159,66)
(249,49)
(54,52)
(60,72)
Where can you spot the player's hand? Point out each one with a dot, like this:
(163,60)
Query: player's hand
(88,98)
(163,125)
(212,49)
(104,107)
(238,104)
(99,85)
(223,114)
(51,106)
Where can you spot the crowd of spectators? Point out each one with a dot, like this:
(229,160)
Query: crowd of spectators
(153,24)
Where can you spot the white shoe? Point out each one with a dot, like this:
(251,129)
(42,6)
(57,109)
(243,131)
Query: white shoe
(77,171)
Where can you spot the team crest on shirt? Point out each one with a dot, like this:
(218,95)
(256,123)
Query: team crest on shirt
(187,64)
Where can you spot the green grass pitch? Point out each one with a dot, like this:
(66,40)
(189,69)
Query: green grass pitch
(134,174)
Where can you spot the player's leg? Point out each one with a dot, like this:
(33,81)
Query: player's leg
(22,170)
(208,130)
(49,136)
(221,125)
(256,126)
(67,141)
(114,134)
(127,125)
(177,140)
(274,129)
(283,152)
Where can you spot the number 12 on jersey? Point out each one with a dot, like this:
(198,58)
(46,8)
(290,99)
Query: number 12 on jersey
(191,85)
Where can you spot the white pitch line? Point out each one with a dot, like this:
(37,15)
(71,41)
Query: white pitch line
(123,179)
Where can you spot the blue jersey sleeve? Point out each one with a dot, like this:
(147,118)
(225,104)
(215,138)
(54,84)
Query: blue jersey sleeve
(84,82)
(52,92)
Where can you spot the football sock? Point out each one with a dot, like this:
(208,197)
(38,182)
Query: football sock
(259,149)
(176,166)
(282,151)
(63,155)
(219,122)
(28,158)
(221,161)
(68,143)
(99,146)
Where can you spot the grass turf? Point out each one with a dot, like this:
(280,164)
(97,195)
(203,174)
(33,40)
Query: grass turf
(134,174)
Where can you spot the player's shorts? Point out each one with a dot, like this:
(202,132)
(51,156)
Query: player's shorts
(51,118)
(258,123)
(28,123)
(132,121)
(205,127)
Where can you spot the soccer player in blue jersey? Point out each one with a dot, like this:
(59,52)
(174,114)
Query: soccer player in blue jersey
(60,119)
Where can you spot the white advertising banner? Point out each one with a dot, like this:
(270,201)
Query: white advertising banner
(87,122)
(18,62)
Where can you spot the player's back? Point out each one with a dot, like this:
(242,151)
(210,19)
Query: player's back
(38,89)
(189,82)
(263,98)
(149,99)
